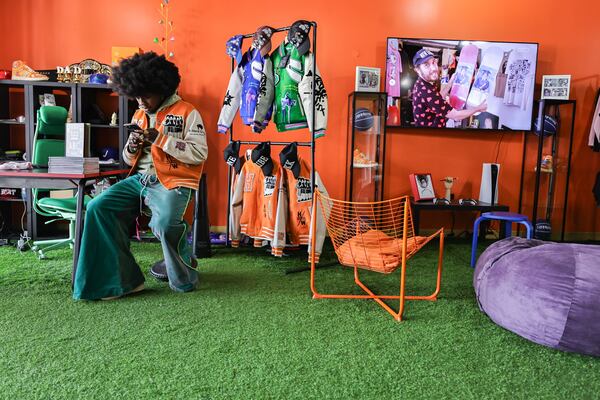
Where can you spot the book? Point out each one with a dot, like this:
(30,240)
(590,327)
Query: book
(73,165)
(77,140)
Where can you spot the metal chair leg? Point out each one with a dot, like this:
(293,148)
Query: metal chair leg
(474,245)
(529,228)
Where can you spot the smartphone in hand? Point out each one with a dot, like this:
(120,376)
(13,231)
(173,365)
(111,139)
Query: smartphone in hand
(132,127)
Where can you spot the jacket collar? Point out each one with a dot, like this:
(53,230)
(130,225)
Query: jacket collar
(169,101)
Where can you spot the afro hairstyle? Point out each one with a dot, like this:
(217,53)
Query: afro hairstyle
(145,74)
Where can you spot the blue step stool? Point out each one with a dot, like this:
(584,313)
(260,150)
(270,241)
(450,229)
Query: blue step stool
(508,218)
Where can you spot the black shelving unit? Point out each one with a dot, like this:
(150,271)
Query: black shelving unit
(21,98)
(557,158)
(13,100)
(107,102)
(368,177)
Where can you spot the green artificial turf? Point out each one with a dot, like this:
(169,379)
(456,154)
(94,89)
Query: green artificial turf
(252,332)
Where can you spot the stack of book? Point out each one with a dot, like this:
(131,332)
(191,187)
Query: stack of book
(73,165)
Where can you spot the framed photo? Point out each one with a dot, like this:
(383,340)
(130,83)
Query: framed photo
(556,87)
(422,186)
(367,79)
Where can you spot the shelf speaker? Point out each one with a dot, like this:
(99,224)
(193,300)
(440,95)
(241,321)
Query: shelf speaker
(201,227)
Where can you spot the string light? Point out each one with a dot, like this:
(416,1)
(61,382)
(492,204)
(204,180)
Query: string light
(168,30)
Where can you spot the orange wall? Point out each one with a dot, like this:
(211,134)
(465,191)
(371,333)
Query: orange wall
(58,32)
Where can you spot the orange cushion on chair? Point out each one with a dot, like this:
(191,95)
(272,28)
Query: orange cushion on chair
(375,251)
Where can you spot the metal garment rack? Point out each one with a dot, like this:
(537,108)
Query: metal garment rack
(310,144)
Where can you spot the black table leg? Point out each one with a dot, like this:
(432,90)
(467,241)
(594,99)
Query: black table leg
(416,219)
(78,227)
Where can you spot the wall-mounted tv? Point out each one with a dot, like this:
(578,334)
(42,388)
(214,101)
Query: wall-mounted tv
(464,84)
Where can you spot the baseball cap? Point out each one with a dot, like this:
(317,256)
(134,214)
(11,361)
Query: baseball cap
(109,153)
(261,156)
(298,36)
(422,56)
(261,39)
(289,158)
(233,47)
(232,156)
(100,79)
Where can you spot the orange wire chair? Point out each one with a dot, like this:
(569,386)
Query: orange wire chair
(377,236)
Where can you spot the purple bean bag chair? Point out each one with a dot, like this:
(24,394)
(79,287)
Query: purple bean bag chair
(546,292)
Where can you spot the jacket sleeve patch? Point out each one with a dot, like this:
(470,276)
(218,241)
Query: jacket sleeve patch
(180,145)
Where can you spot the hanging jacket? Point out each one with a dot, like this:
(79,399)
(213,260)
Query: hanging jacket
(245,91)
(520,72)
(292,106)
(180,147)
(299,199)
(257,206)
(594,139)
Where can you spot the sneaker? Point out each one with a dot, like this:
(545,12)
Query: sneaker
(134,290)
(22,72)
(361,160)
(159,270)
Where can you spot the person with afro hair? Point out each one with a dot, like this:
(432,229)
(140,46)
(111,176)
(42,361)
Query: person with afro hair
(166,150)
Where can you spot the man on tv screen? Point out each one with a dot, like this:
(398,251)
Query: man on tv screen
(430,107)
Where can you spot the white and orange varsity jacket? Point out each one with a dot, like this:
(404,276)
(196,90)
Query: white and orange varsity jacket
(179,151)
(258,206)
(300,211)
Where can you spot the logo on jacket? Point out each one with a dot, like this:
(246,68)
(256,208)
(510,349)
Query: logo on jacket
(172,124)
(180,146)
(300,218)
(227,100)
(262,160)
(249,183)
(269,186)
(303,190)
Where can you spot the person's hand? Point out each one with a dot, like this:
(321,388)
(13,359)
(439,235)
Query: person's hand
(134,141)
(482,107)
(445,88)
(150,135)
(452,78)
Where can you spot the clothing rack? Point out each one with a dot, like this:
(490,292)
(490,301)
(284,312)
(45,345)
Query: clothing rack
(310,144)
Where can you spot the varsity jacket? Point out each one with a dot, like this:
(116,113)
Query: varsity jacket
(594,139)
(292,107)
(250,86)
(300,197)
(180,148)
(258,206)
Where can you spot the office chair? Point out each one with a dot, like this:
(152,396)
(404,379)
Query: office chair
(49,141)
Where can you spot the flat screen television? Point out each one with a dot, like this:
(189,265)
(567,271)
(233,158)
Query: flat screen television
(464,84)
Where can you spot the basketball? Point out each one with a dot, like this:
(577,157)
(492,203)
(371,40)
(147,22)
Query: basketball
(550,126)
(543,229)
(363,119)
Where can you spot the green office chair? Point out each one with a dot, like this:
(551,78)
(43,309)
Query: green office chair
(49,141)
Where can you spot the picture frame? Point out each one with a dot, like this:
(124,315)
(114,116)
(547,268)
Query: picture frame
(422,186)
(556,87)
(368,79)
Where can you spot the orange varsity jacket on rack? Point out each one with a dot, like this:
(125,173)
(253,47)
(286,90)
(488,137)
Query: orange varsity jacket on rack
(300,208)
(255,206)
(272,207)
(180,148)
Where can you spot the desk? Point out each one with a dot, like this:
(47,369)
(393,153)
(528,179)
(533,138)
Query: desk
(417,207)
(41,178)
